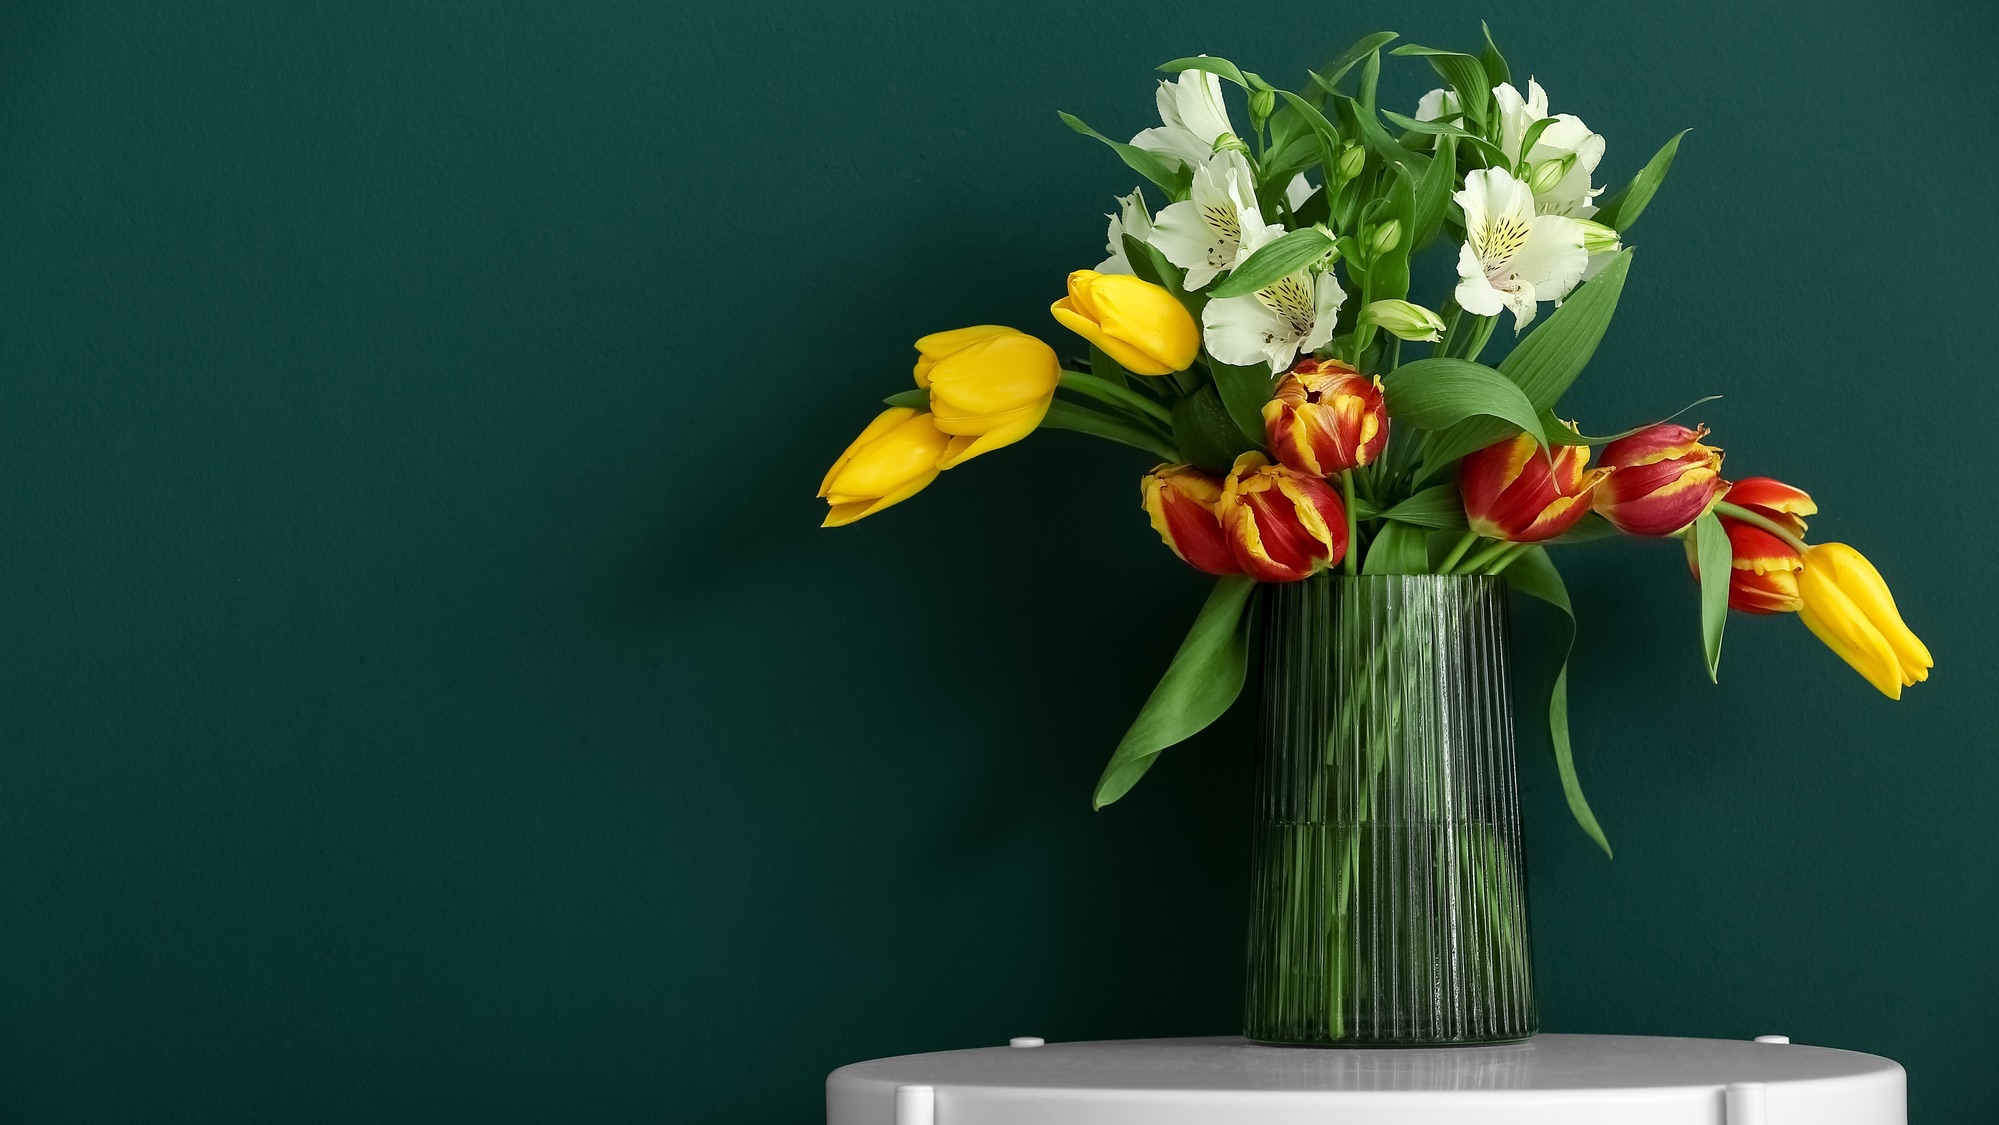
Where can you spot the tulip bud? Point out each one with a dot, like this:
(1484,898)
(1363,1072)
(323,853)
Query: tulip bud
(1548,173)
(1516,490)
(1386,237)
(1597,238)
(1281,525)
(1181,501)
(1352,162)
(1847,605)
(892,460)
(1773,500)
(1764,574)
(1326,418)
(1140,325)
(989,386)
(1666,479)
(1404,319)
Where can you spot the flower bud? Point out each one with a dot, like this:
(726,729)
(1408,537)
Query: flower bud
(1326,418)
(892,460)
(1386,237)
(1666,479)
(1140,325)
(1597,238)
(1773,500)
(1281,525)
(1261,103)
(989,386)
(1549,173)
(1352,162)
(1516,490)
(1181,501)
(1847,605)
(1403,319)
(1764,574)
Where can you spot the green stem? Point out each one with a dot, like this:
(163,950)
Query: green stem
(1479,561)
(1499,567)
(1457,552)
(1353,529)
(1103,390)
(1738,512)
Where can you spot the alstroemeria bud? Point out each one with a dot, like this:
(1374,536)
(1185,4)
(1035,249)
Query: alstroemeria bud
(1404,319)
(892,460)
(1386,237)
(1181,501)
(1352,162)
(1516,490)
(1326,418)
(1764,578)
(1281,525)
(1773,500)
(1847,605)
(1140,325)
(1665,480)
(1548,173)
(1598,238)
(989,386)
(1261,103)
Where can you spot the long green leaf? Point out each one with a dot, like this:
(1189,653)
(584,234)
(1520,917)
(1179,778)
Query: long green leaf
(1433,194)
(1495,63)
(1150,165)
(1493,154)
(1065,415)
(1398,548)
(1438,506)
(1438,394)
(1244,390)
(1280,257)
(1544,364)
(1623,209)
(1222,68)
(1344,61)
(1148,263)
(1465,74)
(1207,436)
(1533,573)
(1204,678)
(1717,566)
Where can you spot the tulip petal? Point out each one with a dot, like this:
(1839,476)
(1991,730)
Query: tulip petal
(960,450)
(1834,619)
(937,345)
(883,422)
(839,515)
(1858,579)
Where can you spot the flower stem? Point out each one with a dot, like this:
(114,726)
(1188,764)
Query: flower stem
(1506,560)
(1353,529)
(1479,561)
(1738,512)
(1457,552)
(1103,390)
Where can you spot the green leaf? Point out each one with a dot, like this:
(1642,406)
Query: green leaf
(1150,165)
(1208,438)
(1222,68)
(1323,130)
(1438,394)
(1280,257)
(1244,390)
(1398,548)
(918,398)
(1561,433)
(1624,208)
(1490,58)
(1717,565)
(1530,138)
(1377,139)
(1204,678)
(1104,367)
(1388,274)
(1533,573)
(1544,364)
(1588,529)
(1493,154)
(1464,73)
(1438,506)
(1337,69)
(1066,415)
(1433,194)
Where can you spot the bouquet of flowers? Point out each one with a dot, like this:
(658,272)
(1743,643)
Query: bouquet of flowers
(1249,334)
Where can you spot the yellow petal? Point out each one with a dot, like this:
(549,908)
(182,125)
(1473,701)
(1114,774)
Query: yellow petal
(963,449)
(994,376)
(842,514)
(1858,579)
(886,462)
(1834,619)
(937,345)
(1149,319)
(1127,357)
(885,421)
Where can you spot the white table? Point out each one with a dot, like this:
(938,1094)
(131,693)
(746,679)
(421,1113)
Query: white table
(1548,1080)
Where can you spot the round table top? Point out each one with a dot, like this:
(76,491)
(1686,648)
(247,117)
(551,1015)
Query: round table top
(1549,1079)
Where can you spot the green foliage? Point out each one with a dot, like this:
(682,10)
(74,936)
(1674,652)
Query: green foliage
(1208,438)
(1441,394)
(1438,506)
(1717,566)
(1066,415)
(1280,257)
(1465,74)
(1534,574)
(1171,179)
(1219,67)
(1244,390)
(916,397)
(1398,548)
(1623,209)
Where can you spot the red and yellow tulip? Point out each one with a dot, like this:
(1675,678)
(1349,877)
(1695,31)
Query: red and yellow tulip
(1665,479)
(1517,491)
(1140,325)
(1764,578)
(1326,418)
(1773,500)
(1281,525)
(895,457)
(1181,501)
(989,386)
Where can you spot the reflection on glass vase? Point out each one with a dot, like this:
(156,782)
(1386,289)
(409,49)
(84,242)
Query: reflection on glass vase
(1387,904)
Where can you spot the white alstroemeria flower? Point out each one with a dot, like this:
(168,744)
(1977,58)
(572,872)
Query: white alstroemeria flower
(1437,105)
(1512,257)
(1272,325)
(1218,225)
(1298,191)
(1557,191)
(1195,118)
(1131,219)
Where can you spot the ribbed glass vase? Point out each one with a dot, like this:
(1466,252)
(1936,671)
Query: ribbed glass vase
(1387,903)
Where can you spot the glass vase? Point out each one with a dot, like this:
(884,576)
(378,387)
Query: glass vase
(1387,902)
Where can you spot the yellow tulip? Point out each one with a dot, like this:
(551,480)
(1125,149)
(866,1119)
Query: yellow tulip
(892,460)
(1847,605)
(1138,324)
(989,386)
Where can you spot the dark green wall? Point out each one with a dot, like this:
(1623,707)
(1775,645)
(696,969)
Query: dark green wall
(427,696)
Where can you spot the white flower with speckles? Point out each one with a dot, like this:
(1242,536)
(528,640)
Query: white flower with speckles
(1218,225)
(1563,158)
(1195,118)
(1513,258)
(1272,325)
(1131,219)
